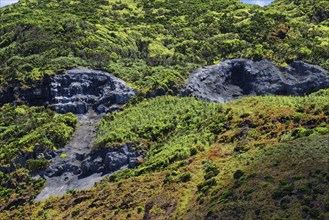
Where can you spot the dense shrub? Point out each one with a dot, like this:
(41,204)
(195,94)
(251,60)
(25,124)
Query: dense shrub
(37,164)
(25,133)
(169,129)
(155,44)
(30,129)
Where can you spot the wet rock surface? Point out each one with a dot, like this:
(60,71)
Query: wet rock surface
(236,78)
(76,91)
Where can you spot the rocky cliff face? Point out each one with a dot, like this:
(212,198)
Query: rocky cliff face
(81,88)
(76,91)
(236,78)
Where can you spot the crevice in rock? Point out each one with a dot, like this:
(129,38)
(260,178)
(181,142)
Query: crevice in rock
(239,75)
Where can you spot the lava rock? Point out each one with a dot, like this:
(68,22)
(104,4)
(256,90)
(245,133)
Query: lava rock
(76,91)
(92,165)
(80,156)
(70,168)
(85,167)
(97,165)
(157,92)
(115,160)
(79,89)
(49,154)
(21,161)
(61,168)
(52,171)
(110,160)
(236,78)
(134,161)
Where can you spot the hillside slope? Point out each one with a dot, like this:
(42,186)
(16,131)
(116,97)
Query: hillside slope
(154,44)
(252,158)
(207,160)
(28,138)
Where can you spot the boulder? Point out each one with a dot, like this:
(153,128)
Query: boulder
(97,165)
(85,167)
(110,160)
(61,168)
(80,156)
(115,160)
(134,161)
(236,78)
(49,154)
(93,163)
(52,171)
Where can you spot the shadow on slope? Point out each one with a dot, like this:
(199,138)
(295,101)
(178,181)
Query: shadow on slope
(285,181)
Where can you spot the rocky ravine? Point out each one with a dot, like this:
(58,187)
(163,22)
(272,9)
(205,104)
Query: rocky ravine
(77,166)
(232,79)
(63,173)
(88,93)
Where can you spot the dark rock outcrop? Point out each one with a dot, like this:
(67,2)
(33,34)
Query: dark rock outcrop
(101,161)
(34,93)
(80,88)
(59,169)
(236,78)
(77,90)
(110,160)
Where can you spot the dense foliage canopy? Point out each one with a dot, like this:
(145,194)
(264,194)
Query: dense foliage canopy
(156,43)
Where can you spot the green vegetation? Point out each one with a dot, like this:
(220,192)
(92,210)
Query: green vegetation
(171,128)
(18,188)
(63,156)
(155,44)
(25,133)
(32,130)
(166,128)
(285,181)
(256,156)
